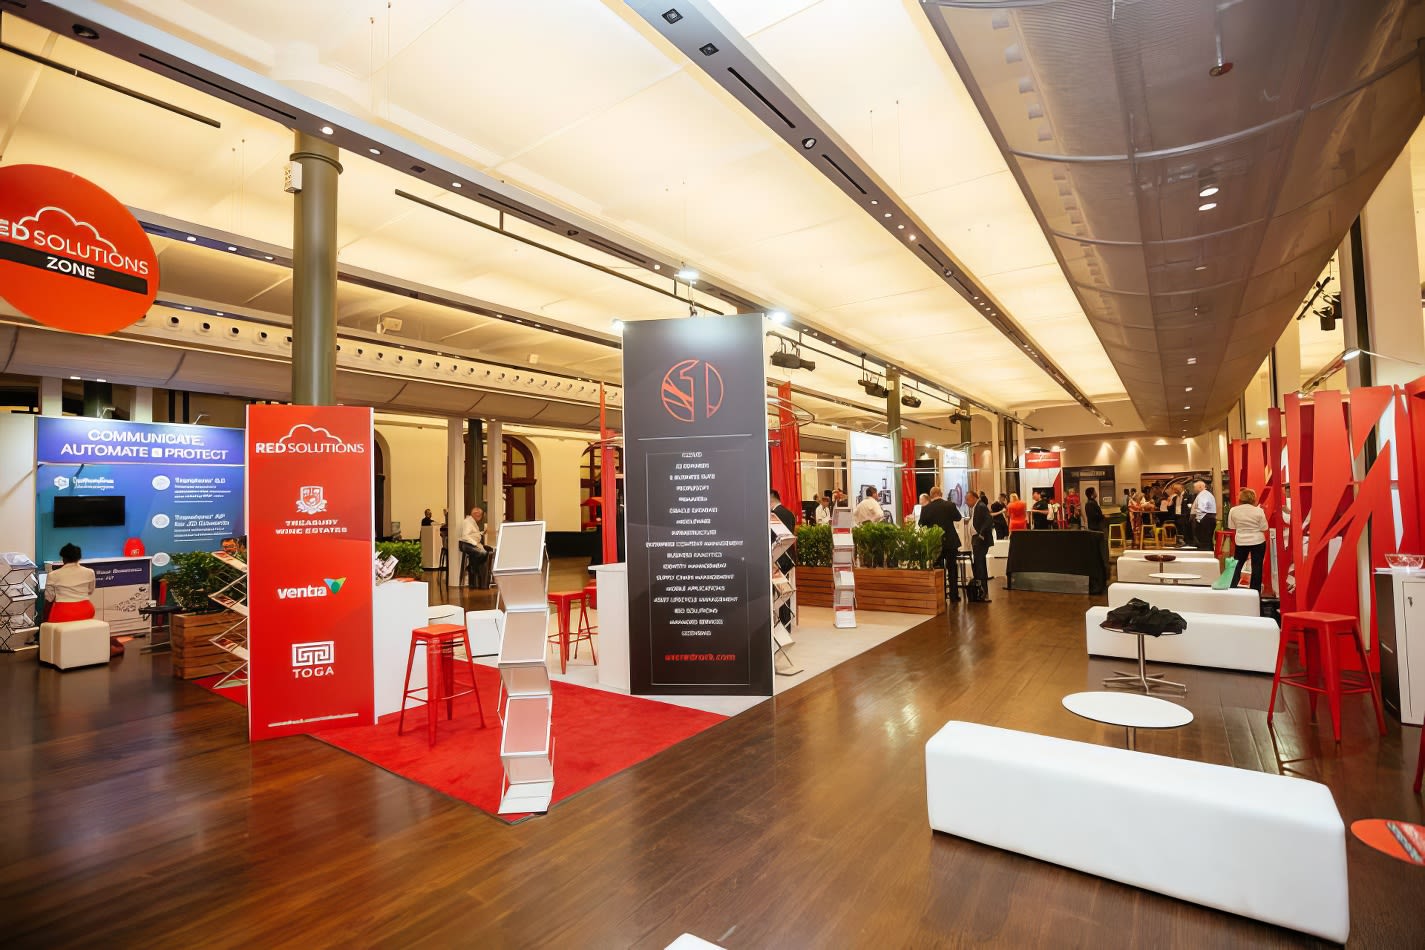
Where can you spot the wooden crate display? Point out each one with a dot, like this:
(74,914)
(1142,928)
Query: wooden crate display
(193,655)
(877,588)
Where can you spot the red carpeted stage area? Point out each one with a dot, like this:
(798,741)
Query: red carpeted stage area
(598,734)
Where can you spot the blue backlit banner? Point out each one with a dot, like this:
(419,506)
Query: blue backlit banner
(175,488)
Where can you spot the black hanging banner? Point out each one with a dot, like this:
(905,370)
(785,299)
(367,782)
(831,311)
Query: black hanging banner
(696,477)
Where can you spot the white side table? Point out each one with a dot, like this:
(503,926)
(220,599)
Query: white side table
(1164,577)
(1129,710)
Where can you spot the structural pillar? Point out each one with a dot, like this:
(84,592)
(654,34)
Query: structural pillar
(141,410)
(1285,365)
(996,455)
(474,474)
(454,497)
(314,246)
(893,429)
(51,396)
(495,491)
(1391,272)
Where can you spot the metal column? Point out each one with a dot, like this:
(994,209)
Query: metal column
(314,245)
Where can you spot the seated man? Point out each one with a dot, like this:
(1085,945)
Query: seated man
(472,542)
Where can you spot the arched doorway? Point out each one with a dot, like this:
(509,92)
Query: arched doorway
(519,479)
(378,479)
(591,484)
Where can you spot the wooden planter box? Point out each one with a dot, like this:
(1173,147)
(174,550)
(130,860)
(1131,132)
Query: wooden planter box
(193,655)
(878,588)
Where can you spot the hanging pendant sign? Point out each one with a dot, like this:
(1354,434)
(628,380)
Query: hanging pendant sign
(71,256)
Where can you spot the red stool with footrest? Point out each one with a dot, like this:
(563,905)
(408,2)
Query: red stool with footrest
(563,601)
(439,641)
(586,630)
(1318,632)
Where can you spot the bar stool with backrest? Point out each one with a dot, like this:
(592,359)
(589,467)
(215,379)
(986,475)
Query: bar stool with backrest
(439,641)
(1319,632)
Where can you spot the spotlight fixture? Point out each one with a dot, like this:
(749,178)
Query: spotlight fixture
(707,49)
(672,16)
(687,275)
(874,389)
(959,418)
(327,130)
(910,401)
(809,142)
(778,316)
(789,356)
(84,32)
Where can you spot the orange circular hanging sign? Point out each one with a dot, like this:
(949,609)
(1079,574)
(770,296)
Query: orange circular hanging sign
(71,256)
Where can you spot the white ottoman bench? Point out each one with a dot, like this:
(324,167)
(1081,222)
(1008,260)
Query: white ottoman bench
(74,643)
(1137,570)
(1224,641)
(1241,602)
(444,613)
(484,629)
(1263,846)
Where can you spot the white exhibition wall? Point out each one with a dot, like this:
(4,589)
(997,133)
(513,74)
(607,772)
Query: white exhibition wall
(17,483)
(1130,457)
(416,467)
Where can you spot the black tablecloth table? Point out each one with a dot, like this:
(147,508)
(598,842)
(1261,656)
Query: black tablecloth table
(1083,553)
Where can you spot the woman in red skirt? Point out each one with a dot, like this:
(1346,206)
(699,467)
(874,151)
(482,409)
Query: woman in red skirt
(68,589)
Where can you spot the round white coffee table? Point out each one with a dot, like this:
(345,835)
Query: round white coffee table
(1164,577)
(1129,710)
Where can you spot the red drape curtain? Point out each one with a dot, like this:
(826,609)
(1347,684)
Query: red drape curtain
(785,453)
(908,494)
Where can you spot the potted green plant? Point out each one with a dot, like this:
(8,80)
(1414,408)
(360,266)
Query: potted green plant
(895,569)
(407,555)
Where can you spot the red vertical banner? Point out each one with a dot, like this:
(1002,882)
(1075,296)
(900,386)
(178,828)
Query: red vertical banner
(908,494)
(310,532)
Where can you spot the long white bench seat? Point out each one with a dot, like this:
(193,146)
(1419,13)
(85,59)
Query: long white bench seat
(1180,553)
(1240,602)
(1264,846)
(1223,641)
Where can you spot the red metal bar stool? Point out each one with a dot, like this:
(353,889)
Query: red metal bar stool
(1322,674)
(586,629)
(439,641)
(563,601)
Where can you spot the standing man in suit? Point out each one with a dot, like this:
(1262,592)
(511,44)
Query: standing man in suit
(943,514)
(982,539)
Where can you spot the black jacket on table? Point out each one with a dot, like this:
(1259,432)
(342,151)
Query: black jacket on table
(943,514)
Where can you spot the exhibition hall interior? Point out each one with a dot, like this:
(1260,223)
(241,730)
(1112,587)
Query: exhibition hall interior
(712,473)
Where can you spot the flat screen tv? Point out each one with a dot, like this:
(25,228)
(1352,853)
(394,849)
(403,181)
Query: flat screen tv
(88,511)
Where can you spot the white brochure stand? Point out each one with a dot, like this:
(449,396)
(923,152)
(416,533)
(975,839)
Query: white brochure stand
(843,562)
(784,594)
(526,699)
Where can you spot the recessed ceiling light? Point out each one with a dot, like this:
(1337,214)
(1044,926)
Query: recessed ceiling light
(910,237)
(327,130)
(192,238)
(809,142)
(1208,192)
(874,201)
(900,227)
(455,184)
(779,316)
(1207,206)
(1200,267)
(231,248)
(1187,407)
(268,257)
(74,377)
(886,215)
(1192,360)
(101,380)
(374,150)
(657,266)
(84,33)
(1188,389)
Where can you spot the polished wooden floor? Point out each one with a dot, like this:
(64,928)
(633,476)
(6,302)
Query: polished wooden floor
(133,812)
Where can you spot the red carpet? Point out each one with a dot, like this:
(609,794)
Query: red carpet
(596,735)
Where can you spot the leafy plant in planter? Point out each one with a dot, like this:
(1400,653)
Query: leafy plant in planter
(918,548)
(192,577)
(407,555)
(814,545)
(875,543)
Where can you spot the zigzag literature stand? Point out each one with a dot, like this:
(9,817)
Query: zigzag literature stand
(784,600)
(233,596)
(525,704)
(843,563)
